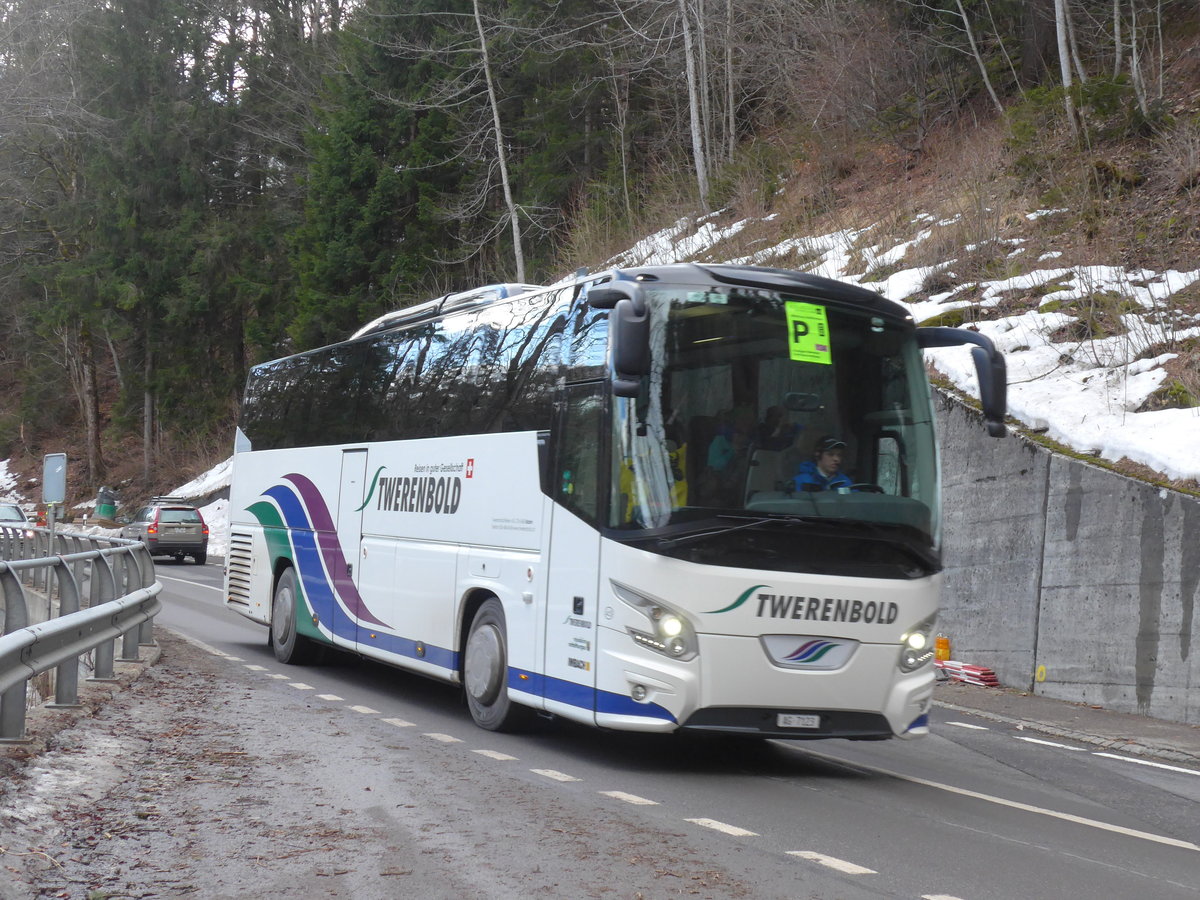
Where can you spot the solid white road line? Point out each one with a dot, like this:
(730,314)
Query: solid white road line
(1146,762)
(551,773)
(1011,804)
(833,862)
(629,798)
(495,754)
(723,828)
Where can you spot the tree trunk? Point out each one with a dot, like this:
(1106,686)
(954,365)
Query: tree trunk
(979,58)
(1064,61)
(501,153)
(698,155)
(147,419)
(1038,19)
(91,410)
(730,117)
(1118,47)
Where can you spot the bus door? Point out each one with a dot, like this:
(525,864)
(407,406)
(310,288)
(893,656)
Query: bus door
(349,536)
(572,604)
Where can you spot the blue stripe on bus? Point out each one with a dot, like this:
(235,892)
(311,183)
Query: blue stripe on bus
(921,721)
(584,696)
(407,647)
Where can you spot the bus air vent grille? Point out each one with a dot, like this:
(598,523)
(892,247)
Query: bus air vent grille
(241,548)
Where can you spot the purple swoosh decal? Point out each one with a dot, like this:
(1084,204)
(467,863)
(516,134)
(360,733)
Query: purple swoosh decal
(331,550)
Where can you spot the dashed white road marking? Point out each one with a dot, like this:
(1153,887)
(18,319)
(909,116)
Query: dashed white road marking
(444,738)
(1030,740)
(254,668)
(1146,762)
(630,798)
(833,862)
(399,723)
(723,828)
(300,686)
(228,657)
(938,897)
(968,725)
(552,774)
(279,676)
(365,710)
(332,697)
(495,754)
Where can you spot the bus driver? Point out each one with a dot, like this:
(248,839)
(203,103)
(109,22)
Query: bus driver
(823,472)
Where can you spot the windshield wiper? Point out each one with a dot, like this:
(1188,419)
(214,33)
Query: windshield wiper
(726,529)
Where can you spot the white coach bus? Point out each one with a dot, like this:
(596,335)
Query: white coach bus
(598,501)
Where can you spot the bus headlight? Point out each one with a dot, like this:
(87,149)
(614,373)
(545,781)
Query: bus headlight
(916,645)
(667,631)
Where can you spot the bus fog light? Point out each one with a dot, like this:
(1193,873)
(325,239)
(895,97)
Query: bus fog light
(638,693)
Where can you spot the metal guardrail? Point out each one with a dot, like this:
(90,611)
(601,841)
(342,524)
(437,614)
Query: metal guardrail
(122,602)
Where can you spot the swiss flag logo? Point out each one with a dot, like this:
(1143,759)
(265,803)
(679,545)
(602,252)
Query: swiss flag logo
(470,468)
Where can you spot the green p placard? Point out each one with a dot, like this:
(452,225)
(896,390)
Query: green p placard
(808,333)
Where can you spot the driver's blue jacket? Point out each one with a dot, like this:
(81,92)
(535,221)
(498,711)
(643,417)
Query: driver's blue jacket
(810,478)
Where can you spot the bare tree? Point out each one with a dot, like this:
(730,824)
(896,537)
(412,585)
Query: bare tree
(1062,30)
(501,151)
(983,72)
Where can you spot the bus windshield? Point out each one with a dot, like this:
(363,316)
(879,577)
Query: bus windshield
(765,412)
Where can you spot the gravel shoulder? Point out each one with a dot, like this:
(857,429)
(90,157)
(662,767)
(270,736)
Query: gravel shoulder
(184,783)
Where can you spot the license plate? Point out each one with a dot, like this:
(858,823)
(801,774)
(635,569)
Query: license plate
(790,720)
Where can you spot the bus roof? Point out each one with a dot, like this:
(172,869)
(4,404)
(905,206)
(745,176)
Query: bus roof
(785,280)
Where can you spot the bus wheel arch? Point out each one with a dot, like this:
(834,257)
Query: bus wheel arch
(289,645)
(485,666)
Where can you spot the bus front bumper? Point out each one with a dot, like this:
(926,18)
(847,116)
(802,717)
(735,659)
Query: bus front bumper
(732,687)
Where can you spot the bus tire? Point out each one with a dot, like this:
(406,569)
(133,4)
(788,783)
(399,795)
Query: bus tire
(485,672)
(290,647)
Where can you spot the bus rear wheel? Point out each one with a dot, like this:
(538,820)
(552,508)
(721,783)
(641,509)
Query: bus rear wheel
(485,672)
(290,647)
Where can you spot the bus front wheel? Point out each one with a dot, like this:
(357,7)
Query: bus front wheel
(485,672)
(289,646)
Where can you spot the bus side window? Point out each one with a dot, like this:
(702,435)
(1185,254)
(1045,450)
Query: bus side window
(578,470)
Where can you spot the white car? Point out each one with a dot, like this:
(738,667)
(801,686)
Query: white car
(12,513)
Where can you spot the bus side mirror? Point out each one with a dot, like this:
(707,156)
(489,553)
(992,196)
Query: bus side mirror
(989,367)
(628,334)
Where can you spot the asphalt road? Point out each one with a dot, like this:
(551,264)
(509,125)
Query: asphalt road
(975,811)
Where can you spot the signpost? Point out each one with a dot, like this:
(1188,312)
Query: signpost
(54,487)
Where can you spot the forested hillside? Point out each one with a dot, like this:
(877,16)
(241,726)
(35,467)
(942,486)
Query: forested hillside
(188,187)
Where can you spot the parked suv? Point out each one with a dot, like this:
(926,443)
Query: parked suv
(169,528)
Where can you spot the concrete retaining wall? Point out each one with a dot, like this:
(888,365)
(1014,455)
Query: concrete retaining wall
(1067,579)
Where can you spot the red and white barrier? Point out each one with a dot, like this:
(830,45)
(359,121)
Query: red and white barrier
(958,671)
